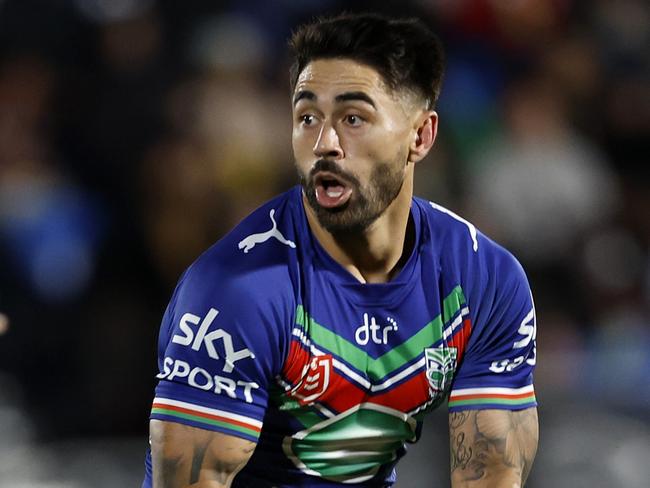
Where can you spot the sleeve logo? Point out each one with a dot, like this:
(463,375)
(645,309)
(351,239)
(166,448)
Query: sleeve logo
(528,329)
(207,339)
(196,377)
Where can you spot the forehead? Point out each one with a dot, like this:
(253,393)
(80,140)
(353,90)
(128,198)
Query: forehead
(332,76)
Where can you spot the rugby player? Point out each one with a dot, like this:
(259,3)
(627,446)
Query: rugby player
(306,346)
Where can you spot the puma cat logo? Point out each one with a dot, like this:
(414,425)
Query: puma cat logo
(249,242)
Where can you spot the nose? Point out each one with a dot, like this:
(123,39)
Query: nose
(328,144)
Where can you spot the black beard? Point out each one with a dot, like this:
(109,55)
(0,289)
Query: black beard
(365,205)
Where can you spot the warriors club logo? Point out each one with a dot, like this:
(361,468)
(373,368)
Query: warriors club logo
(441,364)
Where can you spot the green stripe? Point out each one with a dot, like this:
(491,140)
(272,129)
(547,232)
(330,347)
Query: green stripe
(493,401)
(203,420)
(327,339)
(378,368)
(396,357)
(453,303)
(306,416)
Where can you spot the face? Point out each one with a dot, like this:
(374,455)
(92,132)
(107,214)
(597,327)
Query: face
(351,139)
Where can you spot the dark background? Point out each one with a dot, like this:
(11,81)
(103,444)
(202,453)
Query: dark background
(134,133)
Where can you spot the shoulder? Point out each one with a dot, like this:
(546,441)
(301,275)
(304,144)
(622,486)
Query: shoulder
(455,236)
(247,299)
(445,224)
(252,261)
(481,266)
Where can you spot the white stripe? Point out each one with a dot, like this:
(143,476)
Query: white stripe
(459,320)
(211,411)
(288,440)
(325,411)
(470,226)
(342,367)
(301,335)
(404,417)
(493,390)
(283,383)
(318,406)
(423,406)
(388,382)
(364,382)
(399,376)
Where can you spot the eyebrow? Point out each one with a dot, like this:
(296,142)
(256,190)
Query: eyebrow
(343,97)
(304,95)
(355,96)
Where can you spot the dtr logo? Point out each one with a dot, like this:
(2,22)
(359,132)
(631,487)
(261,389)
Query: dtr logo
(208,339)
(369,330)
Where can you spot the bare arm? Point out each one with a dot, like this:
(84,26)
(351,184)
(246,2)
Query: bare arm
(492,448)
(184,456)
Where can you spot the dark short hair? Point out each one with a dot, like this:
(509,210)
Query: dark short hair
(405,52)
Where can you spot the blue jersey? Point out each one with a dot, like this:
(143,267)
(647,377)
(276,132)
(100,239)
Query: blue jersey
(267,338)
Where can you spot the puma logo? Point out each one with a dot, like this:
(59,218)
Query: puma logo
(249,242)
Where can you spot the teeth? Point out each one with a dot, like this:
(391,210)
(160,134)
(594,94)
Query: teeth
(334,193)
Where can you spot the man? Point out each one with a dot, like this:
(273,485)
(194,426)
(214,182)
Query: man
(306,346)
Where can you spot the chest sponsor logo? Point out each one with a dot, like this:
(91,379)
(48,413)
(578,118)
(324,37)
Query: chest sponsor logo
(252,240)
(207,339)
(370,330)
(441,365)
(315,379)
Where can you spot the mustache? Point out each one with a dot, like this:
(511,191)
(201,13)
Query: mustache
(331,167)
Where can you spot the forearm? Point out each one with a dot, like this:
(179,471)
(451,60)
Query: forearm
(187,457)
(492,448)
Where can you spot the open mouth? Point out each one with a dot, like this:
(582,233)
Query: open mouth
(331,190)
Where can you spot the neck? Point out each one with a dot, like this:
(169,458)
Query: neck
(378,253)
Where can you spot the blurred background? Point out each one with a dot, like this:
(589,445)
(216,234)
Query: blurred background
(135,133)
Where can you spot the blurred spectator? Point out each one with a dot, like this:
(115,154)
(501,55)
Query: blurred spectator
(49,226)
(227,148)
(540,186)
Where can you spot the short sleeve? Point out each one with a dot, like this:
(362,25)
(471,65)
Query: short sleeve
(497,369)
(221,344)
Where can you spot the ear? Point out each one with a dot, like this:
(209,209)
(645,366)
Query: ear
(424,135)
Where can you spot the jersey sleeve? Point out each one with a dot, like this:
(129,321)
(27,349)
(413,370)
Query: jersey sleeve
(497,368)
(221,343)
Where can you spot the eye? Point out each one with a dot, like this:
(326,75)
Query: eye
(353,120)
(307,119)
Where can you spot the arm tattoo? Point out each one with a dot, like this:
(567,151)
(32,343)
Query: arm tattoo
(460,453)
(184,456)
(170,466)
(488,443)
(197,461)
